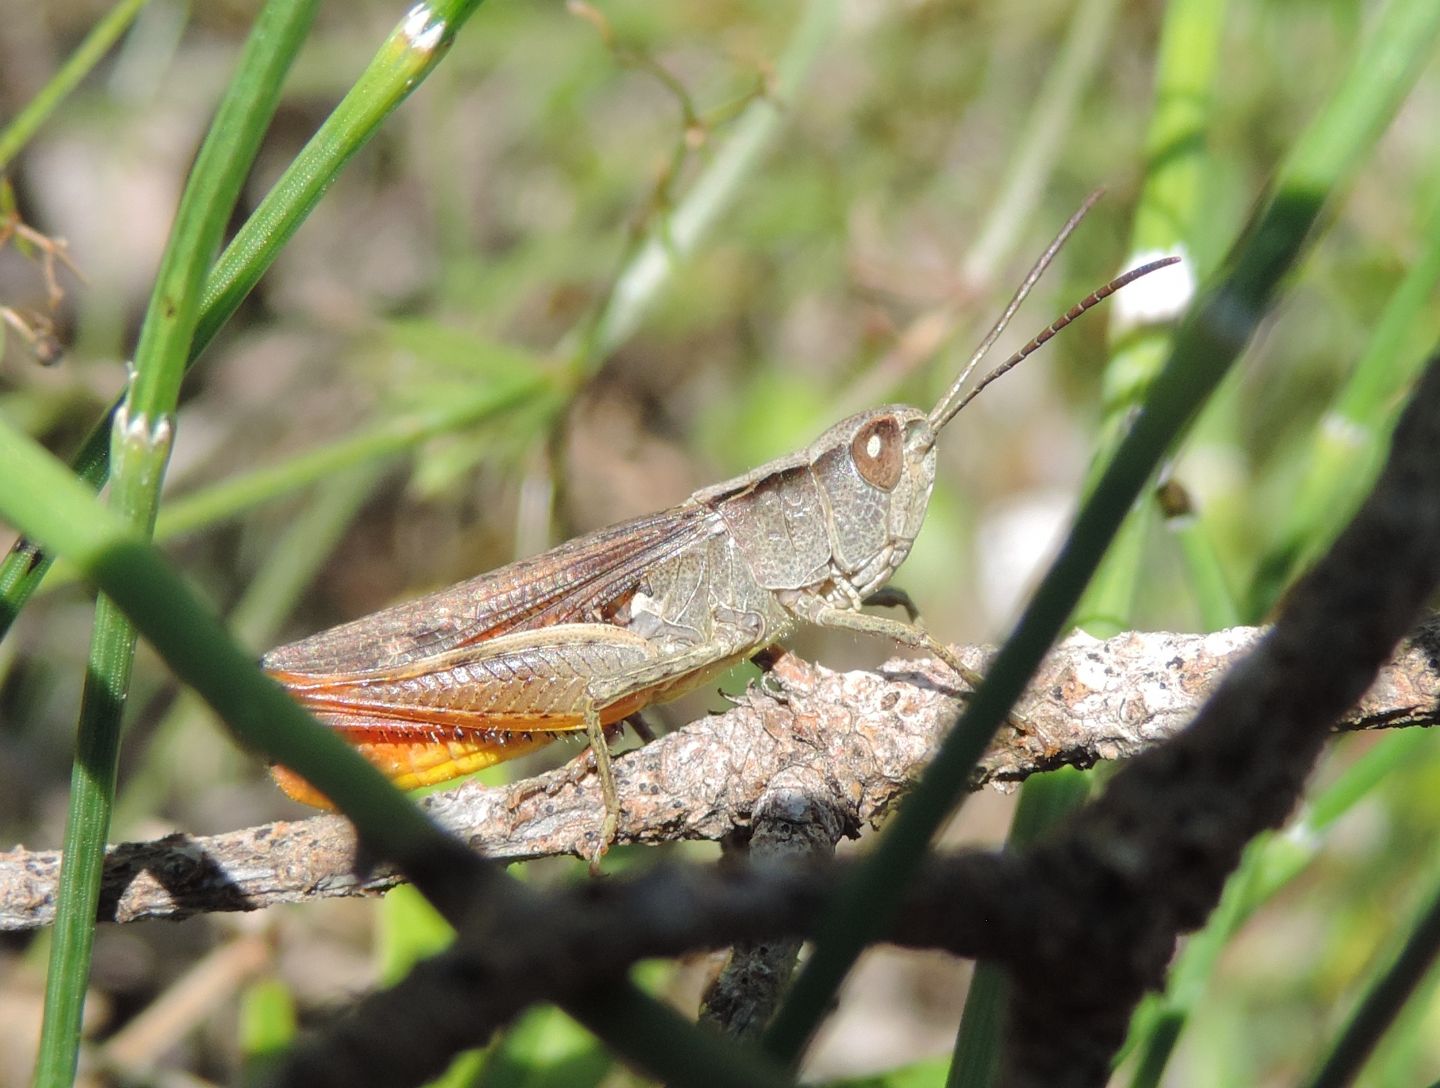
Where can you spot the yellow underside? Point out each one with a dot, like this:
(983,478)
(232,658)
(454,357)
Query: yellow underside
(410,764)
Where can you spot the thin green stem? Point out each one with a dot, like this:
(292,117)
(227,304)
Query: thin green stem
(377,444)
(1382,1004)
(140,450)
(407,56)
(87,828)
(1167,214)
(404,60)
(1209,580)
(1271,864)
(1347,446)
(651,267)
(1040,143)
(1159,1022)
(1046,799)
(387,438)
(1355,114)
(1208,344)
(80,63)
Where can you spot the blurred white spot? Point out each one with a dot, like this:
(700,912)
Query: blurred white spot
(1014,541)
(1160,296)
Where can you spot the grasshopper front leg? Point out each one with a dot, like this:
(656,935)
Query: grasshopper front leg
(864,623)
(844,619)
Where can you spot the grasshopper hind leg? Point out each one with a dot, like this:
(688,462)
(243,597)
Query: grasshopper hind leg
(599,752)
(600,748)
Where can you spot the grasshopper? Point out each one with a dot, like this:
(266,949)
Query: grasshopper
(585,635)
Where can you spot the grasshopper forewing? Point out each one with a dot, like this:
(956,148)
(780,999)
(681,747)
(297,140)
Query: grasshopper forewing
(586,634)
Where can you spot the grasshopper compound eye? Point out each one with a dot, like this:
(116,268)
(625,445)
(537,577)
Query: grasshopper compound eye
(879,452)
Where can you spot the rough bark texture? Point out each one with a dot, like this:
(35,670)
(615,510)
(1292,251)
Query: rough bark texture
(845,743)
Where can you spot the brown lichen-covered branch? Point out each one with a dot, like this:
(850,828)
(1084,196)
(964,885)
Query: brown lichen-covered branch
(854,739)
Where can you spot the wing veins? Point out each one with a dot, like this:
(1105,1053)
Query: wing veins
(570,583)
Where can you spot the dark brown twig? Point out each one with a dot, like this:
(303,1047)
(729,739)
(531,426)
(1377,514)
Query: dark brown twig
(1148,860)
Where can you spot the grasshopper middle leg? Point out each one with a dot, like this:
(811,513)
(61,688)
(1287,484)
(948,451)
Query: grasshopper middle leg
(895,597)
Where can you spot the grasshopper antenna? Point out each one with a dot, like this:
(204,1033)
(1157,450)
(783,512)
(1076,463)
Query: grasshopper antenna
(950,406)
(943,411)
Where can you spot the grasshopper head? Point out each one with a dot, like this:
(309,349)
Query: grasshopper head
(877,469)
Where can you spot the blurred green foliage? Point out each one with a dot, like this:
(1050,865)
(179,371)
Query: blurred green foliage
(464,250)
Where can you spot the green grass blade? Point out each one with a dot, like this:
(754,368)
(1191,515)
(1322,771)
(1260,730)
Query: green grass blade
(1271,864)
(1209,579)
(407,56)
(1166,216)
(385,439)
(402,63)
(1044,799)
(141,449)
(1347,446)
(1356,110)
(1221,324)
(79,64)
(650,268)
(1384,1001)
(1209,342)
